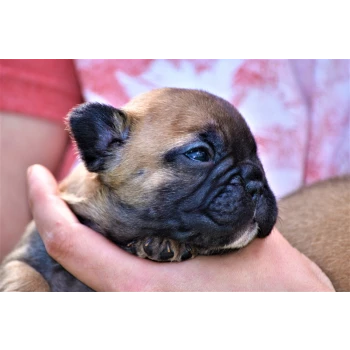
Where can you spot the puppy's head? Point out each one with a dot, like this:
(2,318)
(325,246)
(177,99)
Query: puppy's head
(175,163)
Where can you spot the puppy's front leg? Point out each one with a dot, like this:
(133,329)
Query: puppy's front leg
(161,249)
(17,276)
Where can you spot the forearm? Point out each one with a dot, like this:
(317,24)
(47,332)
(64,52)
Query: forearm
(24,141)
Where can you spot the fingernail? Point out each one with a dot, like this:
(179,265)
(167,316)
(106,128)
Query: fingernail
(29,171)
(32,169)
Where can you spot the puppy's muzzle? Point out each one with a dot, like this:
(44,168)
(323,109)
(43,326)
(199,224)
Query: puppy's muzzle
(253,179)
(239,196)
(227,197)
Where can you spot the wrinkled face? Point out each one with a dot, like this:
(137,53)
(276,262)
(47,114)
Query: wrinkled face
(186,168)
(220,197)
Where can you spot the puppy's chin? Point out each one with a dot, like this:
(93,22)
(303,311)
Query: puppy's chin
(238,240)
(244,238)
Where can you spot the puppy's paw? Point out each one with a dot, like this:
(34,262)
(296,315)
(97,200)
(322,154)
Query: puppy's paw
(17,276)
(162,249)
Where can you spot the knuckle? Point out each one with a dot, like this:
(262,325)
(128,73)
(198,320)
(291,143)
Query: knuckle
(57,242)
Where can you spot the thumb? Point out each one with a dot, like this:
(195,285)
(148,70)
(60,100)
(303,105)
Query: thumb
(87,255)
(43,196)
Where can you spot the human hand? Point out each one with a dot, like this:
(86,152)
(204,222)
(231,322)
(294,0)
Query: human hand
(269,264)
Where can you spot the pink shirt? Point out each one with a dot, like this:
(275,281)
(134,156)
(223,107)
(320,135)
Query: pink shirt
(298,110)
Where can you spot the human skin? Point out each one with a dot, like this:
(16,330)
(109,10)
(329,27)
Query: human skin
(24,141)
(269,264)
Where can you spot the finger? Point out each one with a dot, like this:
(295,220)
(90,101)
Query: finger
(86,254)
(325,283)
(43,195)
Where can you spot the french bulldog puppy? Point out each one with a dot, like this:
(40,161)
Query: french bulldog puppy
(316,221)
(173,174)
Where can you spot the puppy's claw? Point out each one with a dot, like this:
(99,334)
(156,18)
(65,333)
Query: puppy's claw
(167,253)
(131,248)
(163,249)
(187,253)
(148,241)
(148,247)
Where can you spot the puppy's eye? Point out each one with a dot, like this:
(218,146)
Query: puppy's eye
(200,154)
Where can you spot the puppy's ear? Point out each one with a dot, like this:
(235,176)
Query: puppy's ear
(99,131)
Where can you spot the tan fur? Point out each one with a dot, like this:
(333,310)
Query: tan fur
(316,220)
(155,110)
(20,277)
(159,110)
(17,276)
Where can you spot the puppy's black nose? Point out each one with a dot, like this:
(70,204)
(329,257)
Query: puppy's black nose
(253,178)
(254,188)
